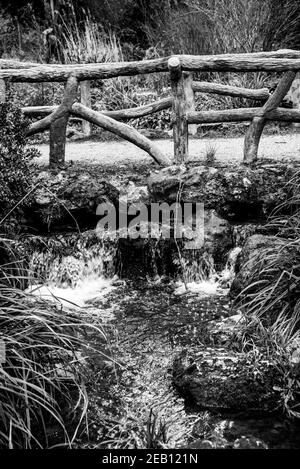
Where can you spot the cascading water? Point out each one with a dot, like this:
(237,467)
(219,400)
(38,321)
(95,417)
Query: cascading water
(72,270)
(200,274)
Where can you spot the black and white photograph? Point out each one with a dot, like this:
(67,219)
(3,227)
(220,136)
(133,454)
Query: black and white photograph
(149,229)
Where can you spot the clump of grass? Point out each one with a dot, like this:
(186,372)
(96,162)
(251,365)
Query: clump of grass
(87,42)
(42,379)
(271,302)
(280,344)
(210,156)
(274,286)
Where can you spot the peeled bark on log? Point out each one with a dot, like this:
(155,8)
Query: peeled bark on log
(277,62)
(122,130)
(255,130)
(239,64)
(226,90)
(85,98)
(17,64)
(141,111)
(189,94)
(32,111)
(120,115)
(242,115)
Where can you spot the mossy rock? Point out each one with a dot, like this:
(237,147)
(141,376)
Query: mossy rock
(219,379)
(238,193)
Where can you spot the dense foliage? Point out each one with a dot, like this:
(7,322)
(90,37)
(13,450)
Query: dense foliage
(15,158)
(187,26)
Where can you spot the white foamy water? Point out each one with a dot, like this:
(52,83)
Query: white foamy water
(228,274)
(210,287)
(216,284)
(73,280)
(85,290)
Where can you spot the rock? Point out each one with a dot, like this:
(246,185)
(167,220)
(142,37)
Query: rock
(164,185)
(236,193)
(222,380)
(249,443)
(252,253)
(201,444)
(74,135)
(222,332)
(136,194)
(67,200)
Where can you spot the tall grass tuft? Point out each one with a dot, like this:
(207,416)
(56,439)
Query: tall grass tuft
(42,366)
(90,44)
(274,287)
(86,41)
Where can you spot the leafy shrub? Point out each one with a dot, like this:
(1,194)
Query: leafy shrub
(15,158)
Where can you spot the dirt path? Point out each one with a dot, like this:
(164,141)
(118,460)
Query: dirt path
(227,150)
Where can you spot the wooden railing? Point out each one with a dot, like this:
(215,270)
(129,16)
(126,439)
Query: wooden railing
(182,99)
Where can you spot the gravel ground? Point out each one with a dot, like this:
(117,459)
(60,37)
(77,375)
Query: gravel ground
(227,150)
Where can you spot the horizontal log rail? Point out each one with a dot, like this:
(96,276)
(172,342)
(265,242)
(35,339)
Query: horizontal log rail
(182,100)
(234,91)
(120,115)
(17,64)
(280,61)
(242,115)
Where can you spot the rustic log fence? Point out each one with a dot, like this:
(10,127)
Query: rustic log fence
(185,118)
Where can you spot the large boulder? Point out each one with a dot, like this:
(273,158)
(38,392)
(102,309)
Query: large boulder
(236,193)
(67,200)
(220,379)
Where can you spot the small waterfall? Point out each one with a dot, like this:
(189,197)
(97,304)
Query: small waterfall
(228,274)
(72,269)
(200,274)
(197,266)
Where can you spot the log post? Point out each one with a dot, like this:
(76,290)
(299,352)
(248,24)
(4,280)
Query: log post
(180,125)
(85,96)
(58,124)
(256,128)
(189,99)
(2,91)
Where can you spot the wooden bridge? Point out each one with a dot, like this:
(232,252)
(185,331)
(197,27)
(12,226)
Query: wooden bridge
(181,100)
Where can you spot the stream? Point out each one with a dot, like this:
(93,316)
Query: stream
(148,321)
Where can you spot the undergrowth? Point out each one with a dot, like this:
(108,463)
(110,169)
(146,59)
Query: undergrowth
(271,301)
(43,399)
